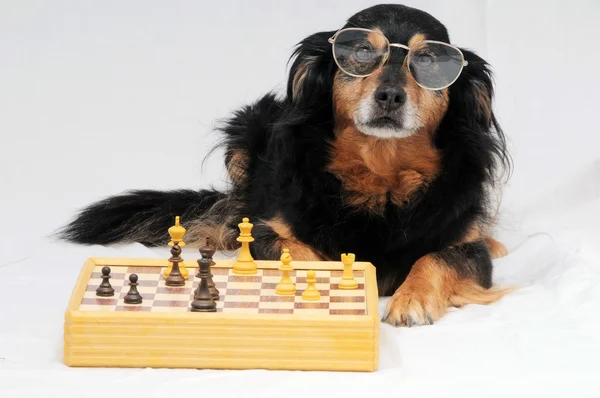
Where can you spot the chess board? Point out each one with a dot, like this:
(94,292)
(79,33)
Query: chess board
(253,327)
(252,294)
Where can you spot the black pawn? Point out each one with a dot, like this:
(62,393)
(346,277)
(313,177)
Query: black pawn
(208,251)
(175,278)
(105,289)
(203,300)
(133,296)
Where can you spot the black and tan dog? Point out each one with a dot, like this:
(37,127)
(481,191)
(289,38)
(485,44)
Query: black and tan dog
(386,146)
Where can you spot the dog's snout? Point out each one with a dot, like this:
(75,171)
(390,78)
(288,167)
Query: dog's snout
(390,98)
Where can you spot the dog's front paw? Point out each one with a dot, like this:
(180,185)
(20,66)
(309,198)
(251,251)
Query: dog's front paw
(415,303)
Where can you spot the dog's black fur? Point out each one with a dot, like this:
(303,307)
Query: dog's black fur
(285,146)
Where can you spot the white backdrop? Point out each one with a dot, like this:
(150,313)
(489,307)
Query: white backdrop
(97,97)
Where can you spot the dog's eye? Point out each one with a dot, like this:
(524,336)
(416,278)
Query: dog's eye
(364,53)
(424,60)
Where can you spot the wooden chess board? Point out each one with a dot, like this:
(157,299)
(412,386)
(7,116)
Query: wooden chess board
(252,294)
(253,327)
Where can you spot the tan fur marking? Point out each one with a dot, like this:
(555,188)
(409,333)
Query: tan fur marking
(370,167)
(416,38)
(484,102)
(473,234)
(236,168)
(298,250)
(220,235)
(497,249)
(377,39)
(280,227)
(432,106)
(347,94)
(300,76)
(430,289)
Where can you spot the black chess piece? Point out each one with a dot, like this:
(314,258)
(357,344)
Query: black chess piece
(203,299)
(133,296)
(175,278)
(105,289)
(208,251)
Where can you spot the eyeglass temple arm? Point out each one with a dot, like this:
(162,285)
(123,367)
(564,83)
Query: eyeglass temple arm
(332,38)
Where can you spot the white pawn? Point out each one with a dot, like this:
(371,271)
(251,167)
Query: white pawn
(286,286)
(311,292)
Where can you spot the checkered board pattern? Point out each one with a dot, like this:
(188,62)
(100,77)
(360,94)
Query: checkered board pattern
(238,293)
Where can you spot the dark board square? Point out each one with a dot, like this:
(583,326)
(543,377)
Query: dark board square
(347,299)
(143,270)
(133,308)
(244,278)
(170,303)
(240,304)
(173,290)
(243,292)
(276,299)
(144,283)
(268,285)
(311,305)
(275,311)
(276,272)
(347,312)
(99,301)
(219,271)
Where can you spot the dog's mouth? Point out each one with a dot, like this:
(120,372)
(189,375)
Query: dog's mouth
(385,122)
(372,120)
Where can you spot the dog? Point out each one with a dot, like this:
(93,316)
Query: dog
(385,144)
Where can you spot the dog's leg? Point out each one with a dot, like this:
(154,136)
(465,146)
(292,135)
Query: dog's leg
(456,276)
(497,249)
(272,236)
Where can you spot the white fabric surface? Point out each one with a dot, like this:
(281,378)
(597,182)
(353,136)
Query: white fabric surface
(98,97)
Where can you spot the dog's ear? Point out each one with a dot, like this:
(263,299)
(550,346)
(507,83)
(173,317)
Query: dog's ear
(474,92)
(471,112)
(311,74)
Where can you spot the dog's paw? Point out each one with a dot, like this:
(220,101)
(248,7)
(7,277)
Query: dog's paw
(415,303)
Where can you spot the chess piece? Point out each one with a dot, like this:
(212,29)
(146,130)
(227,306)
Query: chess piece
(175,277)
(133,296)
(286,286)
(245,263)
(311,292)
(208,251)
(203,299)
(177,232)
(348,282)
(105,289)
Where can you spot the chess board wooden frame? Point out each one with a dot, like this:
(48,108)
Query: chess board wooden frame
(222,340)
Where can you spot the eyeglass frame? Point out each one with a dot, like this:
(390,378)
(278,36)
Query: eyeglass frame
(464,62)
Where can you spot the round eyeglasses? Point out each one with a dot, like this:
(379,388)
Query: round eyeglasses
(434,65)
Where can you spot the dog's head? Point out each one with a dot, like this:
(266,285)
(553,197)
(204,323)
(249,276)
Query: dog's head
(391,72)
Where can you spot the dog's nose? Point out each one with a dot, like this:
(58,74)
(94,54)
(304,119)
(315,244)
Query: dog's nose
(390,98)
